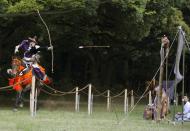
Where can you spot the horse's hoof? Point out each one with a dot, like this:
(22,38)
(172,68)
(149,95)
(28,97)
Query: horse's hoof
(15,110)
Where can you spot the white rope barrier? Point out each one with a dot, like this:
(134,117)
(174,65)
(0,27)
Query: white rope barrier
(76,91)
(84,93)
(118,94)
(54,94)
(99,93)
(55,91)
(84,88)
(90,97)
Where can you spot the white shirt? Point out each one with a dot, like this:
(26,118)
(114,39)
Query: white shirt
(186,108)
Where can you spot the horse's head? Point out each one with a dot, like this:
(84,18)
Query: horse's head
(16,63)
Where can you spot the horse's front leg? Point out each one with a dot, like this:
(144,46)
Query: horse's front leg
(27,88)
(18,100)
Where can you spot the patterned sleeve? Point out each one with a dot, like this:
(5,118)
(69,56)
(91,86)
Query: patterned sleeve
(24,45)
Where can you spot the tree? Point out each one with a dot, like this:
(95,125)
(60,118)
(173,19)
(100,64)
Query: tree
(3,5)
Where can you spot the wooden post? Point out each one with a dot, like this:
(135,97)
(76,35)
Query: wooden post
(89,98)
(78,107)
(32,96)
(125,103)
(35,100)
(150,98)
(76,100)
(91,103)
(108,100)
(132,99)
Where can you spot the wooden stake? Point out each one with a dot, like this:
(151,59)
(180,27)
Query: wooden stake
(132,99)
(76,100)
(91,104)
(108,100)
(89,98)
(32,96)
(125,103)
(150,98)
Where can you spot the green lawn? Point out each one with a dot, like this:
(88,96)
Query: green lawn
(63,118)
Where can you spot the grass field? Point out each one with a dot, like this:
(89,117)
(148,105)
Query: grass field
(63,118)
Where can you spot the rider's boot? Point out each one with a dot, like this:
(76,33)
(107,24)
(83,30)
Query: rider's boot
(47,80)
(39,73)
(42,76)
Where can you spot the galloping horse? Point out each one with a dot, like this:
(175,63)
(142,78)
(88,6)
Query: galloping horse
(22,83)
(150,110)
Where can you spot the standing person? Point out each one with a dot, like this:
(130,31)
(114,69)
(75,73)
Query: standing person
(185,115)
(31,56)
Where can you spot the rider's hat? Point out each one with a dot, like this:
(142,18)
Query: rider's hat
(33,39)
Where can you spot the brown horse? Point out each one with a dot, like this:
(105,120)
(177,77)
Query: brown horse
(22,83)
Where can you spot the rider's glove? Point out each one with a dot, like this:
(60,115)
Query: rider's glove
(16,49)
(9,71)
